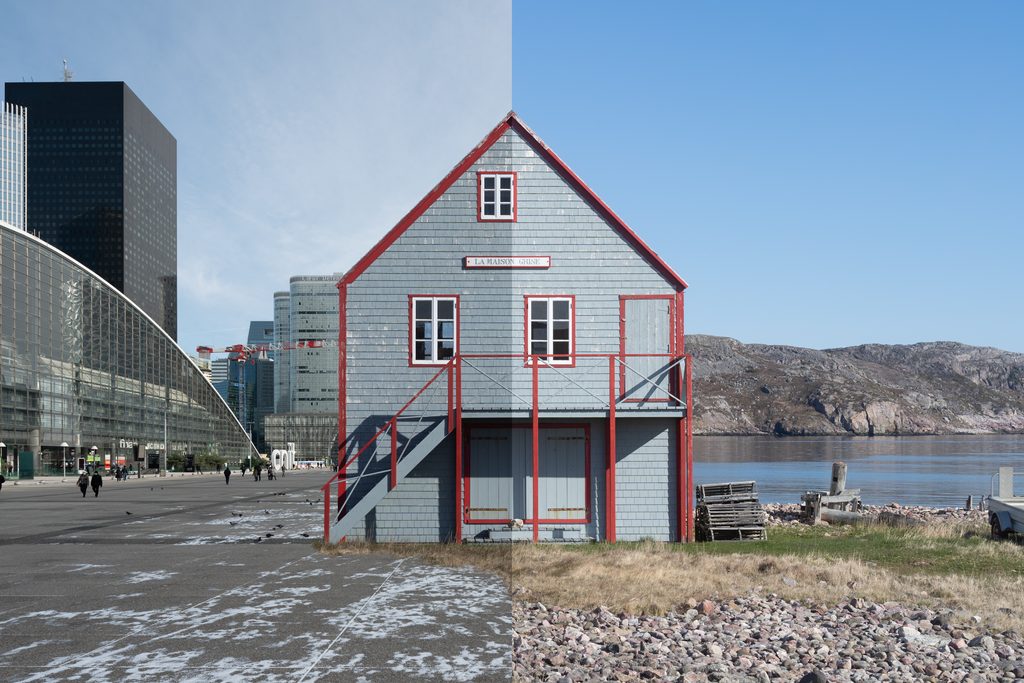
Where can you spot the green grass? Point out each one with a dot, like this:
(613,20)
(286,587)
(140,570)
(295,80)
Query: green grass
(903,551)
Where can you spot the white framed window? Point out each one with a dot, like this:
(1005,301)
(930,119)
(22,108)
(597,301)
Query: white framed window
(551,328)
(496,196)
(433,333)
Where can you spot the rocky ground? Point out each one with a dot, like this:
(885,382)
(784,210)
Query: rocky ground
(757,638)
(769,638)
(787,514)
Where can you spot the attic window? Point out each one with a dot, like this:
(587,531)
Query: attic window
(496,196)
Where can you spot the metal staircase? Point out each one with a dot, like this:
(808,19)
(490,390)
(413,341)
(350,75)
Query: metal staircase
(364,479)
(367,497)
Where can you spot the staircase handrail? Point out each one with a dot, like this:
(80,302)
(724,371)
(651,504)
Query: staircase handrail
(342,468)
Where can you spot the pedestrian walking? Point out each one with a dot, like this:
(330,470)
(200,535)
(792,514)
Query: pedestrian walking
(83,483)
(227,475)
(97,482)
(2,480)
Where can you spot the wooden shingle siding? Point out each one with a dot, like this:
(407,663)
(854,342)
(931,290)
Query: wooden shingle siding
(645,480)
(590,260)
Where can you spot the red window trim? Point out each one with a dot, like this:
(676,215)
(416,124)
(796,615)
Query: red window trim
(466,459)
(480,199)
(572,328)
(623,298)
(412,328)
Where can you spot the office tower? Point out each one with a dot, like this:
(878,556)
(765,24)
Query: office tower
(13,150)
(282,364)
(257,373)
(306,379)
(102,187)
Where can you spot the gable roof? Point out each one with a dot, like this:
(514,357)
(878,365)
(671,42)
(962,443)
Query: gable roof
(513,122)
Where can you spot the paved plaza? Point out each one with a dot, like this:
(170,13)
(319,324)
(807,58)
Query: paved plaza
(181,590)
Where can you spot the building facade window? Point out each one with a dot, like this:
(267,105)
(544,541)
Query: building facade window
(496,196)
(433,337)
(551,328)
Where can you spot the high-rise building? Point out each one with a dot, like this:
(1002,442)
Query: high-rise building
(102,187)
(257,374)
(313,316)
(306,379)
(219,378)
(13,151)
(282,364)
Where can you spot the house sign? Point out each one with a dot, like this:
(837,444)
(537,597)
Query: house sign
(508,262)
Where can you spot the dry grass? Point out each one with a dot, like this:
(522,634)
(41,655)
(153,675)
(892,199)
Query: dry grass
(653,578)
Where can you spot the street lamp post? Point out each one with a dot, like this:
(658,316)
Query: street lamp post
(64,460)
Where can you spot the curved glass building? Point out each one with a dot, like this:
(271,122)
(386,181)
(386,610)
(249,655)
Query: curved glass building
(86,375)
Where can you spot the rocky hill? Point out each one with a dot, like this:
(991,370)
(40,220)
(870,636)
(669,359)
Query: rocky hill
(874,389)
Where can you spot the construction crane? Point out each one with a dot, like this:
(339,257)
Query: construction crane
(245,351)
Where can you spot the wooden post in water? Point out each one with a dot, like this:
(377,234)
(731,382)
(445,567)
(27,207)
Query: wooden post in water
(838,478)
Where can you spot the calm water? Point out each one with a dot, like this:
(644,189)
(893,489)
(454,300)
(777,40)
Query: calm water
(911,470)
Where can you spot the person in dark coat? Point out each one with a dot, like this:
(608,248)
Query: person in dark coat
(97,482)
(227,475)
(83,483)
(2,480)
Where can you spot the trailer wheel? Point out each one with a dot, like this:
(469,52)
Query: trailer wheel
(998,533)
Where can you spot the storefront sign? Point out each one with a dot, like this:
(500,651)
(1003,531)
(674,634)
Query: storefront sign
(508,262)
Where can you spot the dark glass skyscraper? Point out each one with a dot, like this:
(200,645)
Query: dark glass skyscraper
(102,187)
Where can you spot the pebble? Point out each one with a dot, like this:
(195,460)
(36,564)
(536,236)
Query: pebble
(789,514)
(759,638)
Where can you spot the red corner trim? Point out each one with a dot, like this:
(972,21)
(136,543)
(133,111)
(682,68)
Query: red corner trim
(511,120)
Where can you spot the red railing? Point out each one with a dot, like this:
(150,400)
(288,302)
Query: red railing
(677,392)
(342,474)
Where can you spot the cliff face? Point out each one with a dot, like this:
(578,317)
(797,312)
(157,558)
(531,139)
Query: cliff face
(874,389)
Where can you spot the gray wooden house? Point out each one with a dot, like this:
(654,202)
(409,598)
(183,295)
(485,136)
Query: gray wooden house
(511,325)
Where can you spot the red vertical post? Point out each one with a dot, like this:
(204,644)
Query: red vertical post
(327,513)
(689,446)
(451,395)
(342,378)
(458,450)
(609,472)
(536,452)
(683,481)
(394,453)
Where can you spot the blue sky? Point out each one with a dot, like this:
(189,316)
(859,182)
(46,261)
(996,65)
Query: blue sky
(823,174)
(305,130)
